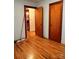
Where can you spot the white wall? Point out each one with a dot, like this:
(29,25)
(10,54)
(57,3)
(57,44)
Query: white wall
(28,3)
(45,5)
(32,19)
(18,17)
(63,25)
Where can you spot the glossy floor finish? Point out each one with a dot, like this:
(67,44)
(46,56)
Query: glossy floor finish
(35,47)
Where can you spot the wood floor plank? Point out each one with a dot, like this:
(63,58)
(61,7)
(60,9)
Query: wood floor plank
(35,47)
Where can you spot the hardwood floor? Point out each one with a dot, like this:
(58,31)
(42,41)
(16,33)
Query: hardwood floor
(35,47)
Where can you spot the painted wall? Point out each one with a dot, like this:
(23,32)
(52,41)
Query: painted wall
(63,25)
(18,18)
(45,5)
(32,19)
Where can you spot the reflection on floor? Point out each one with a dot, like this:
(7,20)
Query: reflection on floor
(35,47)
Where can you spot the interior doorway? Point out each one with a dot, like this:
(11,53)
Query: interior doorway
(30,17)
(33,20)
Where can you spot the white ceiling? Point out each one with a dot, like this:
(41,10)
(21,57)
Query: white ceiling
(33,0)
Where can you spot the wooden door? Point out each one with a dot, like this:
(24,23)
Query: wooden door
(39,21)
(55,21)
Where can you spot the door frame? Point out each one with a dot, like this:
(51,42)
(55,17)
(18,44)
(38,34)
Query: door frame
(61,16)
(26,6)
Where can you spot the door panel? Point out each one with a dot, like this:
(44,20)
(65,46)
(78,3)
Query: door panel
(55,21)
(39,21)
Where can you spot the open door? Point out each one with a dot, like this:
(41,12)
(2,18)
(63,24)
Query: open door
(55,21)
(39,21)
